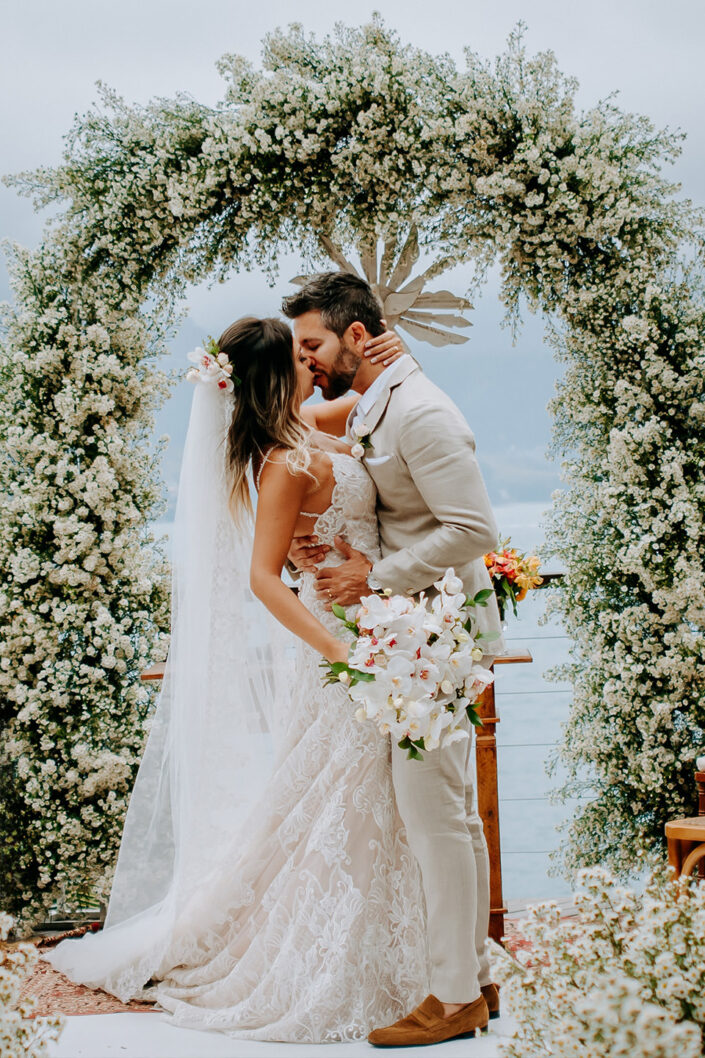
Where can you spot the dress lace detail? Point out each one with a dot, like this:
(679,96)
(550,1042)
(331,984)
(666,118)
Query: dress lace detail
(312,927)
(352,515)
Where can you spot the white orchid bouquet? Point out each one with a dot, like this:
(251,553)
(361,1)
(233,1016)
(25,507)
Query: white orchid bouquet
(414,668)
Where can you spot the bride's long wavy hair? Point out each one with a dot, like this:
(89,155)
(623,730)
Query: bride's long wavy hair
(266,409)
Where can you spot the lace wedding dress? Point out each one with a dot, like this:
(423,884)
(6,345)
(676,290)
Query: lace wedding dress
(311,926)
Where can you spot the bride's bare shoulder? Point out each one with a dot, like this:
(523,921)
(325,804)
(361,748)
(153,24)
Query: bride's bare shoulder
(277,464)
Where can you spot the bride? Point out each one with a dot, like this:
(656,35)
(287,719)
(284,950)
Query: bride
(264,886)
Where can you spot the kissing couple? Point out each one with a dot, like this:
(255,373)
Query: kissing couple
(286,873)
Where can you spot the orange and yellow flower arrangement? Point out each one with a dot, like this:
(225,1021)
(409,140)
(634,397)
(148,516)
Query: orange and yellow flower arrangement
(512,573)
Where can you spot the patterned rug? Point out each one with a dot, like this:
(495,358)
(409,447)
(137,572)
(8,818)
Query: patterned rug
(55,994)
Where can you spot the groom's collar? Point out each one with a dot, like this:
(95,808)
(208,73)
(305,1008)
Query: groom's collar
(371,412)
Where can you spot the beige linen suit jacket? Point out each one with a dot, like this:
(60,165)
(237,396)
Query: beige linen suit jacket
(432,503)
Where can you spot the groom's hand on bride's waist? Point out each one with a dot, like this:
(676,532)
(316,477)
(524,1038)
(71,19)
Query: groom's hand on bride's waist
(347,583)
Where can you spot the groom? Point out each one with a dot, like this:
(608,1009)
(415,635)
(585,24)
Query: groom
(433,513)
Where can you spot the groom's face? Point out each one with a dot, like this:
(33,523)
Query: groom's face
(333,360)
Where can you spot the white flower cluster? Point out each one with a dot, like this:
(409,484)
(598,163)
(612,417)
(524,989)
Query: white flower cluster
(361,440)
(627,531)
(415,666)
(213,368)
(84,591)
(626,977)
(21,1034)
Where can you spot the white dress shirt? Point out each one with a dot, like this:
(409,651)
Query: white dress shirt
(370,395)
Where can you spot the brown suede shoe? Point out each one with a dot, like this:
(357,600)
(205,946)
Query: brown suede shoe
(491,994)
(427,1025)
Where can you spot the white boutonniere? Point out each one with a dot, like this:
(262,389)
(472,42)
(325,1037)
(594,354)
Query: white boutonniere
(362,440)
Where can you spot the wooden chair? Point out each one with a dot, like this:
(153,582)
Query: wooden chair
(686,843)
(686,837)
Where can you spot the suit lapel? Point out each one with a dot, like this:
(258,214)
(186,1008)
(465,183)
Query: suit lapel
(372,417)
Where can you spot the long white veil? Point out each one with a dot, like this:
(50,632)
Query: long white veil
(210,750)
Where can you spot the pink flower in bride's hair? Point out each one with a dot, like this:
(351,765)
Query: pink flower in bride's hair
(212,367)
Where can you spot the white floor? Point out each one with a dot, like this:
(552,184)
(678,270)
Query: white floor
(148,1036)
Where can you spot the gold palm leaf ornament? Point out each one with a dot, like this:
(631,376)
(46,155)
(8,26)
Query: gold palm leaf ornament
(424,315)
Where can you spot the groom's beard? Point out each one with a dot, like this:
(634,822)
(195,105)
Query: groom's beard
(341,375)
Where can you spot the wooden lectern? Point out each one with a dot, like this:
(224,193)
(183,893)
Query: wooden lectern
(488,789)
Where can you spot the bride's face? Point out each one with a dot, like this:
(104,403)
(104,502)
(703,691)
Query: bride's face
(303,372)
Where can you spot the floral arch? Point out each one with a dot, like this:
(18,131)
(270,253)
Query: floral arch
(354,138)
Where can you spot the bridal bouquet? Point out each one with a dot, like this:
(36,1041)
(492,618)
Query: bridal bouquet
(414,667)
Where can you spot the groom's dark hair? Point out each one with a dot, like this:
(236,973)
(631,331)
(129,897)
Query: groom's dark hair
(341,299)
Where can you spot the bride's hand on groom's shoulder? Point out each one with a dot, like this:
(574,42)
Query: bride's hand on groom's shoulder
(347,583)
(385,348)
(306,553)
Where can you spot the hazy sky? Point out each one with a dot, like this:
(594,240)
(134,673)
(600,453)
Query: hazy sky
(650,51)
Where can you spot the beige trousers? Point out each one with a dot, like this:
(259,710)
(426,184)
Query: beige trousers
(437,806)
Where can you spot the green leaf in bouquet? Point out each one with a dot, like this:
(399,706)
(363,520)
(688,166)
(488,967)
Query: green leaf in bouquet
(339,612)
(473,716)
(413,748)
(487,636)
(481,598)
(334,669)
(357,676)
(331,670)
